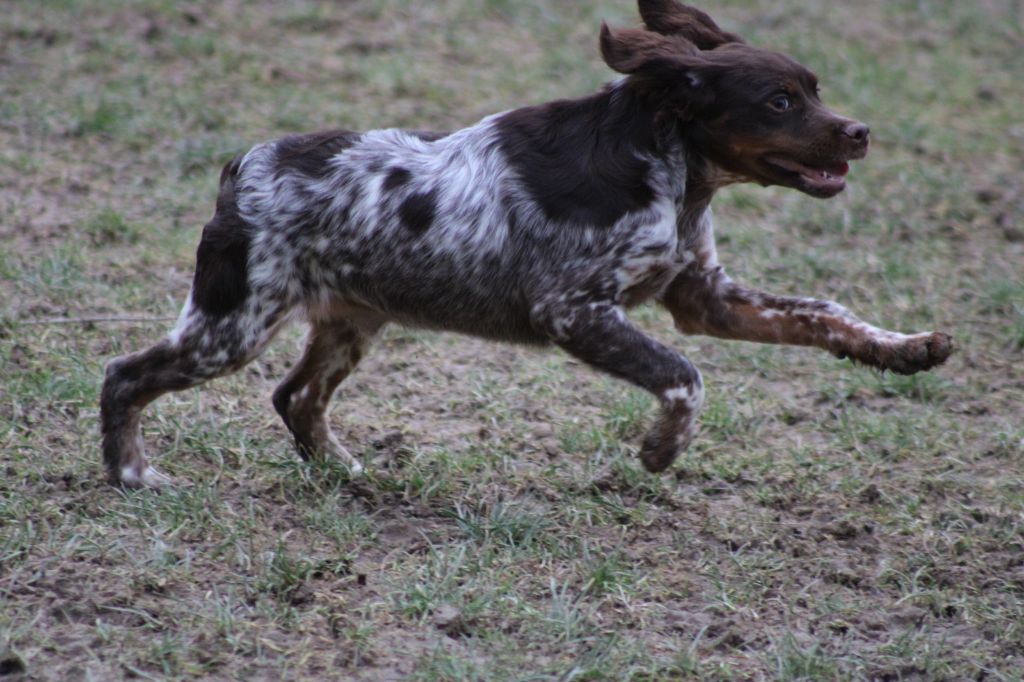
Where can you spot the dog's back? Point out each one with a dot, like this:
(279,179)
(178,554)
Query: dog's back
(440,233)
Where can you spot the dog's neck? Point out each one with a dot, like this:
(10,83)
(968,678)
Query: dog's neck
(703,176)
(703,179)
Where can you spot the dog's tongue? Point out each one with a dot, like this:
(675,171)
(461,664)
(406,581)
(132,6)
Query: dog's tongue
(828,179)
(835,171)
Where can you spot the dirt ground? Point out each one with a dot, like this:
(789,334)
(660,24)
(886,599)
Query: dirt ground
(829,522)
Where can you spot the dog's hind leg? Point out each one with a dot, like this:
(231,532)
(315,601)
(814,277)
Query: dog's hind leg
(333,349)
(200,348)
(228,320)
(602,336)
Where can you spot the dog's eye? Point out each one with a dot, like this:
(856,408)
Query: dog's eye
(780,103)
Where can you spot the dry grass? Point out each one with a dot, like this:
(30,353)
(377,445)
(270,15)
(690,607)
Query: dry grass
(829,523)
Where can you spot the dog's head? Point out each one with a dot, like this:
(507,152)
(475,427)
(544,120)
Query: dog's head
(755,114)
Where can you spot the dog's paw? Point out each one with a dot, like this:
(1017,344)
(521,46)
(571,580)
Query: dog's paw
(340,454)
(660,449)
(918,353)
(355,469)
(144,477)
(656,459)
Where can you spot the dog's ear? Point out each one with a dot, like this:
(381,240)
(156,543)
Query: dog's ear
(630,50)
(672,18)
(668,67)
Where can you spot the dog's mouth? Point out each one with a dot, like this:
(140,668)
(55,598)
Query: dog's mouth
(826,180)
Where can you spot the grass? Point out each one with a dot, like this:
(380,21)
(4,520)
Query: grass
(829,522)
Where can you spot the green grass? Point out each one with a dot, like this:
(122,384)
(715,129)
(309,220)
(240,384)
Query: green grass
(829,522)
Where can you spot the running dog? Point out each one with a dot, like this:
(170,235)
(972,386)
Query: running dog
(540,225)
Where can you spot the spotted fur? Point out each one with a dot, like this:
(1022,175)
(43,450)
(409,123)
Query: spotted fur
(538,225)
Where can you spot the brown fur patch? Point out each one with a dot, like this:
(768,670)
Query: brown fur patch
(221,281)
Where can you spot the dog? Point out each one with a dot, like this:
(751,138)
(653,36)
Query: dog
(540,225)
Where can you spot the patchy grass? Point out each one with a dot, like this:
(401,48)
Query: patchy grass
(828,523)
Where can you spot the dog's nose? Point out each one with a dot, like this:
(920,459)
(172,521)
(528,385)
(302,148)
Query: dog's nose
(857,131)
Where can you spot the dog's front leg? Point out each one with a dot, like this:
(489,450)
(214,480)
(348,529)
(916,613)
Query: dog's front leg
(602,336)
(706,301)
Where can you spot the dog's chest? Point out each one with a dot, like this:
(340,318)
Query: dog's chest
(650,262)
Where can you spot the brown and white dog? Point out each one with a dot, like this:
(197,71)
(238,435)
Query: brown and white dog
(538,225)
